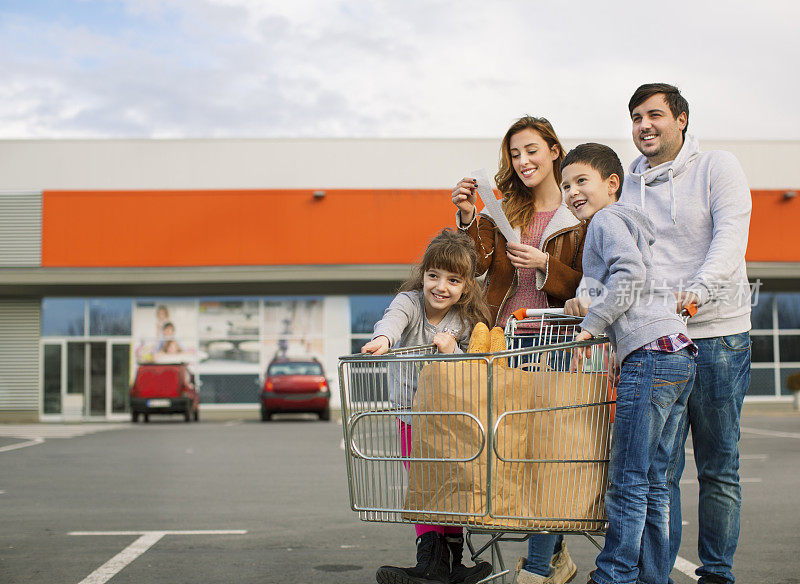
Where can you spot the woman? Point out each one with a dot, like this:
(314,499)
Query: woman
(542,271)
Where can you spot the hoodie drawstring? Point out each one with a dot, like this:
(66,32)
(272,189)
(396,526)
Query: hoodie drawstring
(673,209)
(641,188)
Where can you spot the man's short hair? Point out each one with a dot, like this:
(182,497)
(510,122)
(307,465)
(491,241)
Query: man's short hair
(600,157)
(672,95)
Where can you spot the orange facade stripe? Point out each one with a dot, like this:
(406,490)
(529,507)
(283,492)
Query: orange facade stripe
(773,228)
(230,228)
(291,227)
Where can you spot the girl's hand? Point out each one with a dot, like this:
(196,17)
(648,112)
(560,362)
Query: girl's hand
(525,256)
(445,342)
(464,197)
(377,346)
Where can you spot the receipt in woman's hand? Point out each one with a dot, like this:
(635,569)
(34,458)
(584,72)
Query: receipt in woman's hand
(493,205)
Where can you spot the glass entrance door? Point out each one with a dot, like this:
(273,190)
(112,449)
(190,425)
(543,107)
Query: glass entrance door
(85,379)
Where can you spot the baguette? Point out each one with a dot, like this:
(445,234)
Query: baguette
(479,340)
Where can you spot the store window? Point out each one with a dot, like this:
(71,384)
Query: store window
(365,311)
(110,317)
(63,317)
(788,310)
(761,315)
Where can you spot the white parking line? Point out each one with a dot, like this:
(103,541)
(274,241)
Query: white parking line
(686,567)
(771,433)
(33,442)
(148,538)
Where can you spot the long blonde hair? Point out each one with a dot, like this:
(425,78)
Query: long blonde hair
(518,199)
(454,251)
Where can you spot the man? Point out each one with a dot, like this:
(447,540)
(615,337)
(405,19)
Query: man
(700,203)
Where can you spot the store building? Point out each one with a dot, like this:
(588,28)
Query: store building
(225,253)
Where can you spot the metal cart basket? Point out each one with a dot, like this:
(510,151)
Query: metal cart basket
(503,444)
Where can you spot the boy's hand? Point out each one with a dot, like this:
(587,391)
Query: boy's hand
(684,299)
(445,342)
(464,197)
(576,307)
(581,352)
(377,346)
(525,256)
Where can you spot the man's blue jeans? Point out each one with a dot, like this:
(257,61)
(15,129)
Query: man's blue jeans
(712,415)
(652,393)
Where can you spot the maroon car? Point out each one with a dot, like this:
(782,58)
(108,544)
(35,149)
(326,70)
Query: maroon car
(295,385)
(164,389)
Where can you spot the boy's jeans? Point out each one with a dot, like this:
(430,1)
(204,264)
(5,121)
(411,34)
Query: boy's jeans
(651,398)
(722,379)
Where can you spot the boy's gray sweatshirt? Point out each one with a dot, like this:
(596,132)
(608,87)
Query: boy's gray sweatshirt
(617,261)
(700,204)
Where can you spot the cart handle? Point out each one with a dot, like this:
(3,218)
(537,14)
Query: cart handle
(529,312)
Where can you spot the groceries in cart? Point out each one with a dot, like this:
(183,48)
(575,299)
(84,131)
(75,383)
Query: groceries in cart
(487,445)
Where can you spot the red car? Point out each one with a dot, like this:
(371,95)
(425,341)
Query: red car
(164,389)
(295,385)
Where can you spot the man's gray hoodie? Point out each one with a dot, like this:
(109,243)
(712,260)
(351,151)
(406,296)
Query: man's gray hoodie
(617,260)
(700,204)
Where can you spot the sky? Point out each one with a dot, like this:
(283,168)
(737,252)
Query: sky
(390,68)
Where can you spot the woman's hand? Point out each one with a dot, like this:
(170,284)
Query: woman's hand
(445,342)
(464,197)
(526,256)
(377,346)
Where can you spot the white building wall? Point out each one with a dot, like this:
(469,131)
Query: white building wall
(316,164)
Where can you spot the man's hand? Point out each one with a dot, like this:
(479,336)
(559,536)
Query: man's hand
(377,346)
(684,299)
(576,307)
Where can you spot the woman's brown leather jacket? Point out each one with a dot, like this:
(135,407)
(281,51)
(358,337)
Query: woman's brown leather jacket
(562,240)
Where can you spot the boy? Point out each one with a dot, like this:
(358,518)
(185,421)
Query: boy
(656,361)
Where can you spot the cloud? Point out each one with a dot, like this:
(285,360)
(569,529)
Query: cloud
(313,68)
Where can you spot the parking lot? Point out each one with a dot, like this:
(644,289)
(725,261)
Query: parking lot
(245,501)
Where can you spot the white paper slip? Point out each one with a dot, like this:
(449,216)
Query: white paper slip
(493,205)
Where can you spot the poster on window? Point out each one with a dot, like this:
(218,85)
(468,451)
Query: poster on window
(165,331)
(293,327)
(228,331)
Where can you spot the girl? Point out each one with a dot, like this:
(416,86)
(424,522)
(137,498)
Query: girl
(439,304)
(541,272)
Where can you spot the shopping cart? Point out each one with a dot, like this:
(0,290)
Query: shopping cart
(503,444)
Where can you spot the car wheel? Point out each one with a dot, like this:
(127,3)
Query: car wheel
(134,417)
(265,415)
(325,414)
(146,417)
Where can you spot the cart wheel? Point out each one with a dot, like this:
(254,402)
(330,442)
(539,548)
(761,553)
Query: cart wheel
(134,417)
(265,415)
(325,414)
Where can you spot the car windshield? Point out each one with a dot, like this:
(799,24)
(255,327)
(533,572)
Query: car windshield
(294,368)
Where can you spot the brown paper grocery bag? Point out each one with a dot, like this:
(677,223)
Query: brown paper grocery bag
(532,484)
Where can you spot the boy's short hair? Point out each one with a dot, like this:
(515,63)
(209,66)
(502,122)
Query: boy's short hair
(600,157)
(672,95)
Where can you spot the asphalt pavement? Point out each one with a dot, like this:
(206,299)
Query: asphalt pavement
(251,502)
